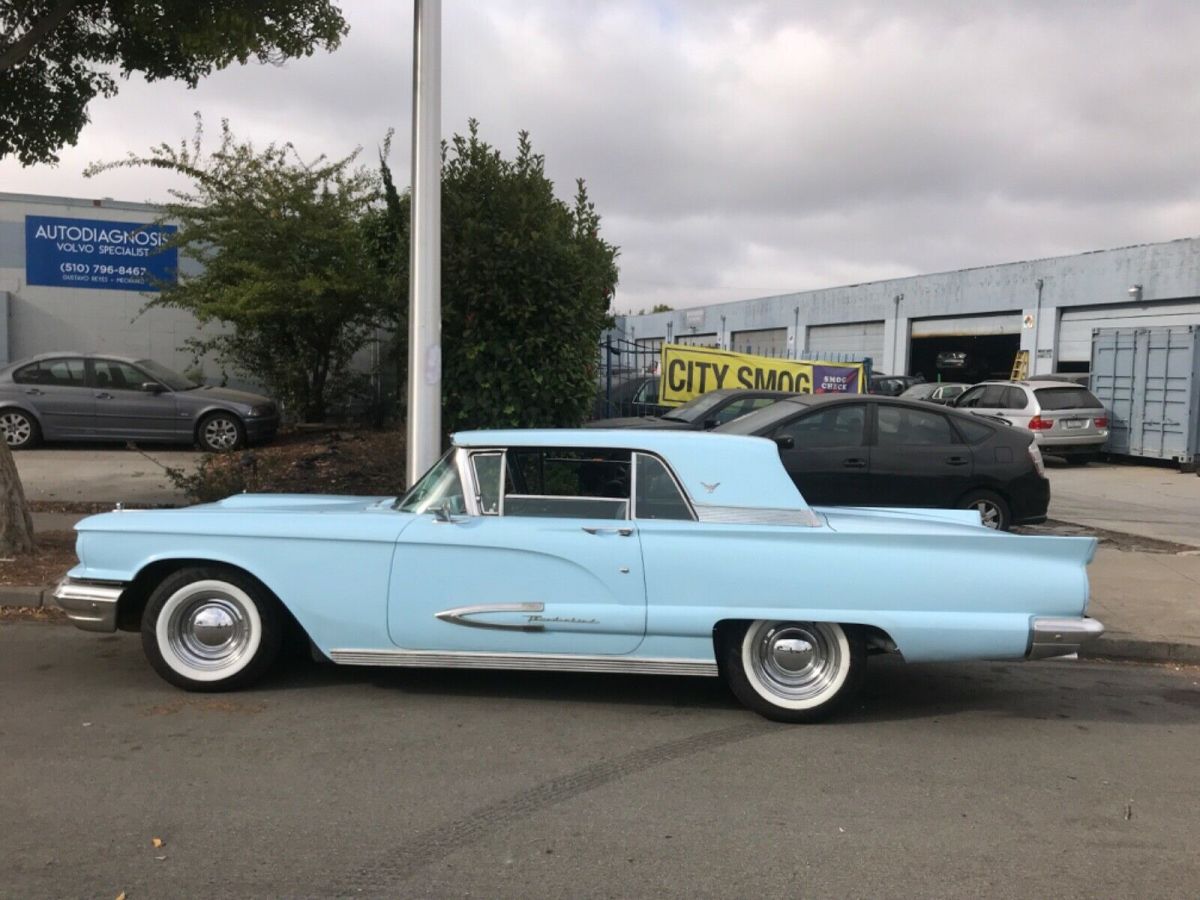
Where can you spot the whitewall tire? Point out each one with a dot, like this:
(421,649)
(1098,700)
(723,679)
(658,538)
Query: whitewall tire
(795,671)
(211,629)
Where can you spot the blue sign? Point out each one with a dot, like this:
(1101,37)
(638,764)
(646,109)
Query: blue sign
(86,253)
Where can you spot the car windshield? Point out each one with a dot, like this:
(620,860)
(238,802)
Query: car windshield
(761,420)
(919,391)
(696,409)
(437,487)
(161,373)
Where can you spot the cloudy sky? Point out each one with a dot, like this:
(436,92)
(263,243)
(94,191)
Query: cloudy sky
(745,149)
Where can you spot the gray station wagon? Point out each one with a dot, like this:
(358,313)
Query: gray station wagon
(90,397)
(1066,419)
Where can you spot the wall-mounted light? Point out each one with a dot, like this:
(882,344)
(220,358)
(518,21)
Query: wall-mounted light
(1135,292)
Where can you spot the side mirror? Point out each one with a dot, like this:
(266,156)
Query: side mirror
(152,387)
(710,424)
(785,442)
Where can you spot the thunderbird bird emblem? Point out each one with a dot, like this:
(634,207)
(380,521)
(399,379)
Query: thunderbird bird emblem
(710,487)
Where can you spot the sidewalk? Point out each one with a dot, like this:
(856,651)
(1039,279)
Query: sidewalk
(1149,602)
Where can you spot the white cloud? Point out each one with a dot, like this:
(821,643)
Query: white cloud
(746,149)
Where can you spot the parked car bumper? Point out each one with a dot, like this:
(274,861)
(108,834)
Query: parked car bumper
(1050,637)
(1070,443)
(91,605)
(261,430)
(1029,500)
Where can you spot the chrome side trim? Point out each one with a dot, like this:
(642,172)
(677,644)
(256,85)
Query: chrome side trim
(757,515)
(1050,636)
(91,605)
(552,662)
(458,616)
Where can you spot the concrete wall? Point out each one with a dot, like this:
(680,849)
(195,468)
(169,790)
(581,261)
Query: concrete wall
(1166,271)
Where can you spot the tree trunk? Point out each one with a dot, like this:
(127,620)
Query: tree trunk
(16,527)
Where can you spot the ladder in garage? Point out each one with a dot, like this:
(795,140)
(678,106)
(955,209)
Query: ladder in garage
(1020,369)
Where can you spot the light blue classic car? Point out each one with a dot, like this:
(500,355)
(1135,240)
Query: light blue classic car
(676,553)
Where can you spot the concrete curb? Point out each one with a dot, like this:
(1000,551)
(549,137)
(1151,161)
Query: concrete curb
(20,596)
(1114,645)
(1130,647)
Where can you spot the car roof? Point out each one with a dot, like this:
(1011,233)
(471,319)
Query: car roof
(716,470)
(1034,383)
(60,354)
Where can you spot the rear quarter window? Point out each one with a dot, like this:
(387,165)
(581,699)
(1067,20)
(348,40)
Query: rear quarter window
(1066,398)
(973,432)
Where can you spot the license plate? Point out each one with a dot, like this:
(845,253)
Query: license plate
(1075,423)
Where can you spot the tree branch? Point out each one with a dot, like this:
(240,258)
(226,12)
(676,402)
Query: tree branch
(15,52)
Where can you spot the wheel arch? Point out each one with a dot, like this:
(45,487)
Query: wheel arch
(877,639)
(203,414)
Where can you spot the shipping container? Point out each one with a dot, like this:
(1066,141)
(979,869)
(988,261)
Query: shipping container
(1149,381)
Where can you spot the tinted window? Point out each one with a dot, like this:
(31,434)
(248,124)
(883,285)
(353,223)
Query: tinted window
(658,495)
(573,482)
(741,407)
(56,372)
(972,432)
(841,425)
(1066,398)
(899,426)
(1014,398)
(118,376)
(970,398)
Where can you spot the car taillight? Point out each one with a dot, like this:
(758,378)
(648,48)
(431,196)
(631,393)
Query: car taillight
(1036,455)
(1037,423)
(1101,422)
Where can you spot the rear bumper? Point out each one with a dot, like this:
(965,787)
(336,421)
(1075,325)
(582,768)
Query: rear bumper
(91,605)
(1067,442)
(1029,499)
(1052,636)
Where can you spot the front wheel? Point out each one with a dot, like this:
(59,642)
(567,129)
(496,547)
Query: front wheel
(795,671)
(221,431)
(211,629)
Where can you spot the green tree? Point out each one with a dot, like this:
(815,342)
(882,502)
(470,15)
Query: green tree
(287,262)
(662,307)
(57,55)
(526,285)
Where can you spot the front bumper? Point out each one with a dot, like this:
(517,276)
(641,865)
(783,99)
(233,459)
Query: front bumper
(1052,636)
(91,605)
(261,429)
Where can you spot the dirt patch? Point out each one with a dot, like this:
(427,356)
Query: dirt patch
(53,554)
(209,704)
(49,615)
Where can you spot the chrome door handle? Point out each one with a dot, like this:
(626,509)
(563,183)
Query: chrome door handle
(955,461)
(103,395)
(35,392)
(623,532)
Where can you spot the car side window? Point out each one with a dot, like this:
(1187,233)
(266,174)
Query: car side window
(54,372)
(898,426)
(488,468)
(118,376)
(993,396)
(973,432)
(648,392)
(971,397)
(657,495)
(1014,398)
(569,482)
(837,426)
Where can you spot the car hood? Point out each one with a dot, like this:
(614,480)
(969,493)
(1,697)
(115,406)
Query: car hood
(287,506)
(210,394)
(641,422)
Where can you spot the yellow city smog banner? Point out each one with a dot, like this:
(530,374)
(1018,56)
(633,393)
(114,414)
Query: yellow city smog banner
(688,372)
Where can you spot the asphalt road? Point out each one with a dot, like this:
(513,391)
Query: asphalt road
(1065,779)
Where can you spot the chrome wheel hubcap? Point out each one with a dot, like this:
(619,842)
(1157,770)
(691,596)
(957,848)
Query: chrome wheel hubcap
(796,660)
(209,632)
(221,433)
(17,428)
(988,512)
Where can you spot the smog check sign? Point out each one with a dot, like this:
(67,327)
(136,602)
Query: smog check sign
(87,253)
(688,372)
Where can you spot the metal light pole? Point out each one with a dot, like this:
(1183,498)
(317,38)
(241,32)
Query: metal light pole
(425,253)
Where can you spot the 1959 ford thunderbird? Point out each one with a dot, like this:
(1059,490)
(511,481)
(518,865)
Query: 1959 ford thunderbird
(586,550)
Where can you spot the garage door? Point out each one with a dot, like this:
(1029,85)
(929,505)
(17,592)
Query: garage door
(856,337)
(764,341)
(967,326)
(696,340)
(1075,325)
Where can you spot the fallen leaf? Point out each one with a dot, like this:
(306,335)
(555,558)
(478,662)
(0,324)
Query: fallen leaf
(157,842)
(121,896)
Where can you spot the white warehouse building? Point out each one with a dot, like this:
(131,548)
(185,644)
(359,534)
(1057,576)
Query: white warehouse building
(1048,307)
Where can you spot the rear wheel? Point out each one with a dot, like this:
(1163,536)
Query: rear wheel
(20,429)
(993,510)
(794,671)
(211,629)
